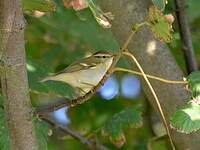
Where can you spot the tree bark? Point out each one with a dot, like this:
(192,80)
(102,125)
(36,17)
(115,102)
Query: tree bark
(14,76)
(155,58)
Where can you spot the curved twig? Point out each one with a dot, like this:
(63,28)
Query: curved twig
(91,144)
(154,95)
(151,76)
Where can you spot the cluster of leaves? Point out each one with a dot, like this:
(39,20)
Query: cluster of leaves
(159,24)
(128,118)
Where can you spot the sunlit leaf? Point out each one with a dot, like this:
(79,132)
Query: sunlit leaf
(159,25)
(160,4)
(194,83)
(40,5)
(187,119)
(128,118)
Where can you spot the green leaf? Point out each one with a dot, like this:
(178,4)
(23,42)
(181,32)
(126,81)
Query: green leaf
(128,118)
(41,5)
(42,134)
(187,119)
(160,4)
(159,25)
(194,83)
(37,72)
(4,136)
(61,89)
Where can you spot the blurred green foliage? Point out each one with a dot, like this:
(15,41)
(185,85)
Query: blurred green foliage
(58,36)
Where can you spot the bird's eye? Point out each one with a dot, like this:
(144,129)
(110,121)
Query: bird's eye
(104,56)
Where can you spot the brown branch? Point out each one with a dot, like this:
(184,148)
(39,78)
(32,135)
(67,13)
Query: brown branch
(71,103)
(14,77)
(91,144)
(185,34)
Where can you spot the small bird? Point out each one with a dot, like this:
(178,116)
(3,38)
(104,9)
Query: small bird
(85,73)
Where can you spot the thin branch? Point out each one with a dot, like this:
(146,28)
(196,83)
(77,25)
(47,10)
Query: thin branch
(152,77)
(91,144)
(185,34)
(72,103)
(154,95)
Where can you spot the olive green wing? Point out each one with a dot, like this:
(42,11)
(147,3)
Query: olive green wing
(82,64)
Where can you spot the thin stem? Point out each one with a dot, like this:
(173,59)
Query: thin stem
(91,144)
(151,76)
(185,34)
(134,30)
(125,45)
(154,95)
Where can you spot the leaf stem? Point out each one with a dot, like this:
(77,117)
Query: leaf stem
(151,76)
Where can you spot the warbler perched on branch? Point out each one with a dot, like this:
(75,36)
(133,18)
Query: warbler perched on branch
(85,73)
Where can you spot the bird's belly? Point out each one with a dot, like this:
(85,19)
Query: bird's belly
(85,80)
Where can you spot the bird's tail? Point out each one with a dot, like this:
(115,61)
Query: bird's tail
(58,77)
